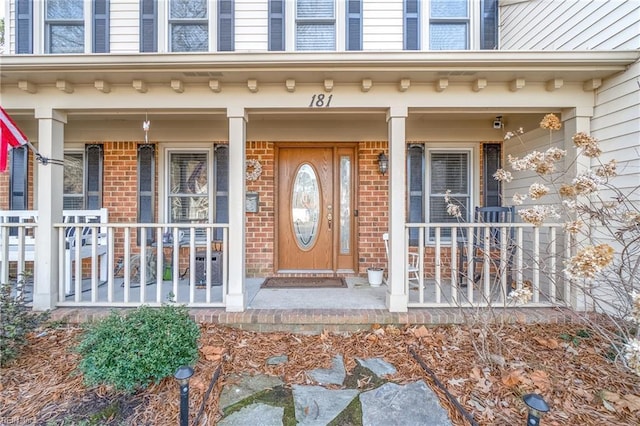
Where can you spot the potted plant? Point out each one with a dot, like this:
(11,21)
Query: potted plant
(375,276)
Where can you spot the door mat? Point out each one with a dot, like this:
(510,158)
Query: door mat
(304,282)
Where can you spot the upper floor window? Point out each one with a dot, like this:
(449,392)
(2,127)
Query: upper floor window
(64,23)
(65,26)
(315,25)
(449,25)
(188,26)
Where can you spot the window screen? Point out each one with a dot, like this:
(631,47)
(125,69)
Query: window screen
(189,26)
(449,25)
(315,25)
(64,23)
(83,179)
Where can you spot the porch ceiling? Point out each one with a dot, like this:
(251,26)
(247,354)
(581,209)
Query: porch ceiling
(342,68)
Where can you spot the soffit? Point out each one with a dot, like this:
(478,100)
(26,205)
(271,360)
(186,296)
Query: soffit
(306,68)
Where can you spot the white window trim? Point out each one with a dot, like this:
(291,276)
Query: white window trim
(474,24)
(474,172)
(40,31)
(163,26)
(163,176)
(340,15)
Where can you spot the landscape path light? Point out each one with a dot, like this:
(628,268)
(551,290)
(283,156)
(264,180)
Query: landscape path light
(183,374)
(537,408)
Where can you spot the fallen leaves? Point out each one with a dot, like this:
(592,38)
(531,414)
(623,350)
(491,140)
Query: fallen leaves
(581,386)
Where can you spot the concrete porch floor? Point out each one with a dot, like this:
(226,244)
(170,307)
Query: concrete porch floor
(350,309)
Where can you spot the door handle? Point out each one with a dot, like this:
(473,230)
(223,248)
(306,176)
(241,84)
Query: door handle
(329,218)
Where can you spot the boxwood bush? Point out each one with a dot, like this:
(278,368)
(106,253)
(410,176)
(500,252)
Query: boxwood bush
(144,345)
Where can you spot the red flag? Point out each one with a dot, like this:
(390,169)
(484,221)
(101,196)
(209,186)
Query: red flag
(10,134)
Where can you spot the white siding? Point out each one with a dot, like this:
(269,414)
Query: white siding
(533,140)
(382,27)
(125,26)
(616,124)
(251,25)
(570,25)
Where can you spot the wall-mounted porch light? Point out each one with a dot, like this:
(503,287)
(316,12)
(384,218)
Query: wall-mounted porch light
(383,163)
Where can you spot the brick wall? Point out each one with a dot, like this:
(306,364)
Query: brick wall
(373,206)
(261,225)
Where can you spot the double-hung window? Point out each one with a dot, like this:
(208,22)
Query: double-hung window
(431,174)
(198,187)
(449,24)
(315,25)
(83,179)
(65,26)
(188,26)
(64,23)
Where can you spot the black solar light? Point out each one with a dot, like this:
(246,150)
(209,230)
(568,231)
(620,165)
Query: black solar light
(537,408)
(183,374)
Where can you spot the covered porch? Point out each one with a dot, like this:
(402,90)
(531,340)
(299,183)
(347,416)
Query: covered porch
(411,108)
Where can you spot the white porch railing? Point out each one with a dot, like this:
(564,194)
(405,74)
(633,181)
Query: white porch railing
(106,266)
(526,257)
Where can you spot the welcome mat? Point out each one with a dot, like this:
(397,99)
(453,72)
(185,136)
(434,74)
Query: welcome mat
(304,282)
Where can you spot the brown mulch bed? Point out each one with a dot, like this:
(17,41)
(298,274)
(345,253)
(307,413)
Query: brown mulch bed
(573,373)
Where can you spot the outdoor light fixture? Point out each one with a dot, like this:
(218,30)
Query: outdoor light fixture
(497,123)
(537,407)
(383,163)
(183,374)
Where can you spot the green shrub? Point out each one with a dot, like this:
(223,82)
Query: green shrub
(16,321)
(144,345)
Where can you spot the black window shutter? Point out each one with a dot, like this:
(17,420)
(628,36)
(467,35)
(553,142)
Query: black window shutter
(24,26)
(492,189)
(415,185)
(276,25)
(489,24)
(18,179)
(225,25)
(148,26)
(411,25)
(100,26)
(354,24)
(146,189)
(93,169)
(221,173)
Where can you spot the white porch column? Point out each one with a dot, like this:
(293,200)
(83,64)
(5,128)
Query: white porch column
(49,204)
(578,120)
(236,297)
(397,296)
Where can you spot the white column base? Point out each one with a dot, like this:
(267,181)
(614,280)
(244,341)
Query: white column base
(397,302)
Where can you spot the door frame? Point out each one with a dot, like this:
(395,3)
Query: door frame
(336,181)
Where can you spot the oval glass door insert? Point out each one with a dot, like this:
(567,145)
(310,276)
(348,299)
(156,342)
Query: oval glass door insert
(305,207)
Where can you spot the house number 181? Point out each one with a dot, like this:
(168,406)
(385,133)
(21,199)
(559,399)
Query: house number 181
(320,101)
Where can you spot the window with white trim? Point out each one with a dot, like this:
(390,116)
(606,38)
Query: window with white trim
(65,25)
(431,172)
(198,187)
(315,25)
(449,24)
(188,26)
(82,183)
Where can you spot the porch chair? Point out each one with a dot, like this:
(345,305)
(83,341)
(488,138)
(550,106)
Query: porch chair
(413,270)
(495,215)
